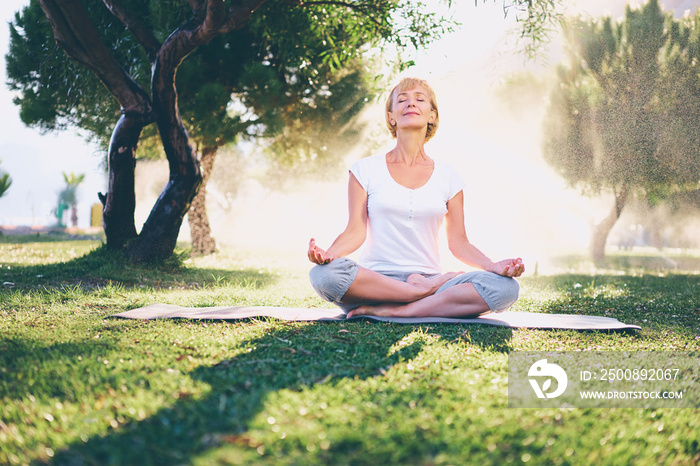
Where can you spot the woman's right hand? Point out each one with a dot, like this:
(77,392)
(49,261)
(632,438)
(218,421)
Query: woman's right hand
(354,234)
(318,255)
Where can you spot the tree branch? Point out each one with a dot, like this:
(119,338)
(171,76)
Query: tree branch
(147,40)
(183,162)
(77,36)
(215,17)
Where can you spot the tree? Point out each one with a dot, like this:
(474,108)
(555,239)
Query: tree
(623,115)
(69,194)
(291,122)
(120,44)
(285,109)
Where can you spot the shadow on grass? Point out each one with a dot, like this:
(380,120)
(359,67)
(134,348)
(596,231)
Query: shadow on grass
(41,370)
(102,266)
(497,339)
(52,236)
(286,358)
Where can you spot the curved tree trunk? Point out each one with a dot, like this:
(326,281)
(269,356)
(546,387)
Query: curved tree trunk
(202,242)
(120,201)
(80,39)
(158,237)
(602,230)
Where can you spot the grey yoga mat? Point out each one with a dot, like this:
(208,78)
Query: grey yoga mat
(502,319)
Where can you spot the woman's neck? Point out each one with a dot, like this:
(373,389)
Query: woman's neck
(409,149)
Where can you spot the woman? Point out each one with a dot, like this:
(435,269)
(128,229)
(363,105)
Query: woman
(397,202)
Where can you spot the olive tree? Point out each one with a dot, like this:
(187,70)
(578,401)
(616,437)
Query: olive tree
(623,116)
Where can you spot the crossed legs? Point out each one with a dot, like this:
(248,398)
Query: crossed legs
(457,301)
(414,298)
(362,291)
(373,287)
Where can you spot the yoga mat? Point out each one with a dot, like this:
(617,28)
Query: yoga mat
(502,319)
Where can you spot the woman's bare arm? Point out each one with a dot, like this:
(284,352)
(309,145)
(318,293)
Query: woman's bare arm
(355,232)
(465,251)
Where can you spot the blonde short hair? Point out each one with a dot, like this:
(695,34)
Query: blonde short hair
(407,84)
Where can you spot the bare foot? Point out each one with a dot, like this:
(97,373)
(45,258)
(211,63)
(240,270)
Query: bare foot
(429,286)
(383,310)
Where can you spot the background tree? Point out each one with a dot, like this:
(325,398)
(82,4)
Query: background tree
(296,46)
(623,116)
(69,194)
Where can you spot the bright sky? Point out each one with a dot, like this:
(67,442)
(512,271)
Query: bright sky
(463,69)
(36,162)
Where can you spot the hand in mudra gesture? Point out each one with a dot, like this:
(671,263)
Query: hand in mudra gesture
(508,267)
(318,255)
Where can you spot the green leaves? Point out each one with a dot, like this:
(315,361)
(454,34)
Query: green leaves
(538,19)
(5,183)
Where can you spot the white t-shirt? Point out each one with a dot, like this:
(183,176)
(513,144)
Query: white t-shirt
(404,223)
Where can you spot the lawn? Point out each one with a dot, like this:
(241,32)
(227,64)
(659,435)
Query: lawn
(79,387)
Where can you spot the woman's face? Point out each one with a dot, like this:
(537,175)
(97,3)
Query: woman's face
(411,109)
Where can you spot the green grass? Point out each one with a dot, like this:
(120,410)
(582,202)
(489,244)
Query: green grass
(79,387)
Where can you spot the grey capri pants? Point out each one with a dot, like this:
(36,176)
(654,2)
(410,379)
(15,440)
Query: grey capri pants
(331,281)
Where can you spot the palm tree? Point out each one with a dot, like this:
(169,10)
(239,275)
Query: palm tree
(5,182)
(69,194)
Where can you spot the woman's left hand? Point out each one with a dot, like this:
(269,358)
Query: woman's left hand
(508,267)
